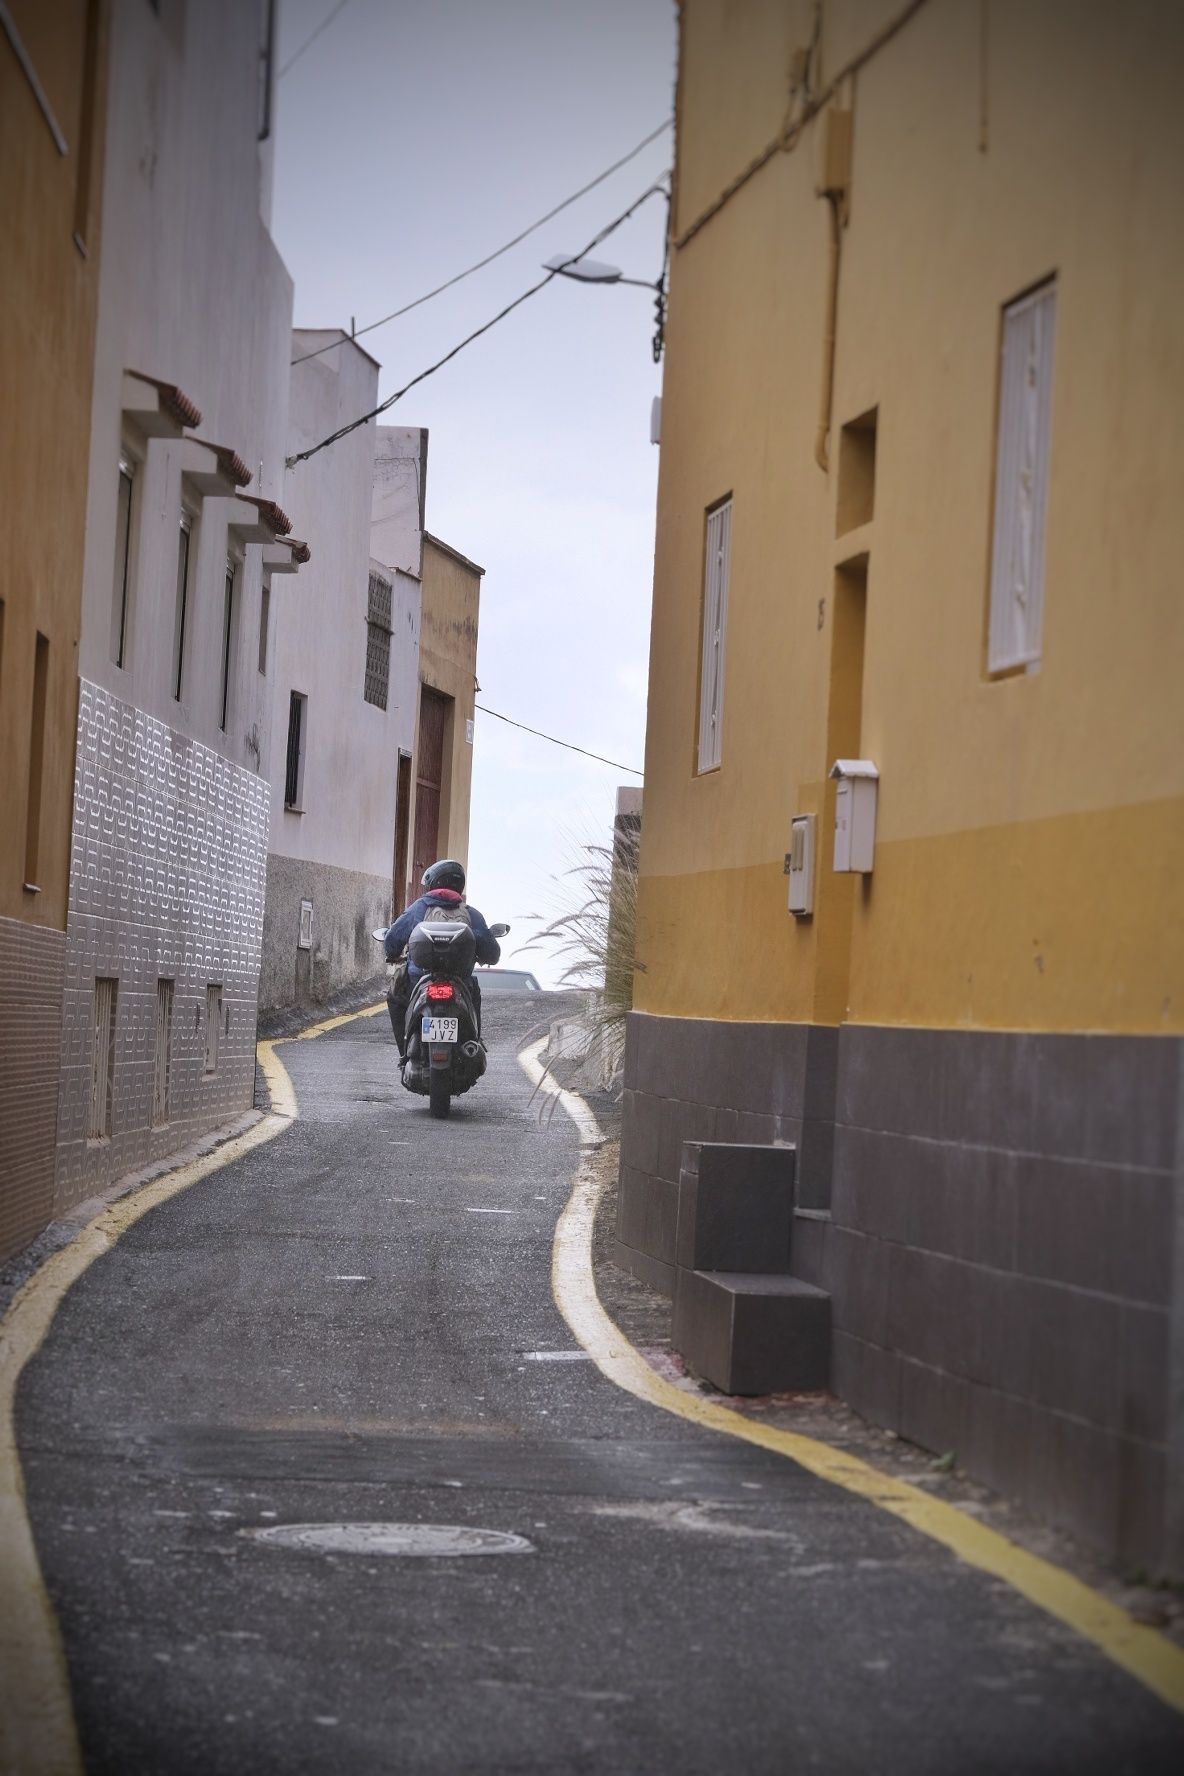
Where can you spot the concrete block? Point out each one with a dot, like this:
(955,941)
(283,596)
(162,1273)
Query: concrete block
(735,1206)
(752,1334)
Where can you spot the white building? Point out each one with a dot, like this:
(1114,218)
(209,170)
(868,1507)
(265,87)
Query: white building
(174,730)
(346,674)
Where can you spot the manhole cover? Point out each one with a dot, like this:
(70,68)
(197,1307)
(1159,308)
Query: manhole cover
(422,1539)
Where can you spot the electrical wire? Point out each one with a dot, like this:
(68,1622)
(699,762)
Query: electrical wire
(789,136)
(365,418)
(538,733)
(309,41)
(490,257)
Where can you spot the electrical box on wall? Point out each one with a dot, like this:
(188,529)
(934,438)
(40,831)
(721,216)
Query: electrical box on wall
(858,782)
(799,865)
(304,941)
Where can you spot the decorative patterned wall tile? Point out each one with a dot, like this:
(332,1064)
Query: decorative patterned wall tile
(168,874)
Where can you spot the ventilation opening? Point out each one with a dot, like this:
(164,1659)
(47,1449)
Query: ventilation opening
(857,473)
(36,762)
(163,1069)
(102,1086)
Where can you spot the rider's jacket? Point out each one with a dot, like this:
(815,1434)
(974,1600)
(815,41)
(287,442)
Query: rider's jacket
(446,899)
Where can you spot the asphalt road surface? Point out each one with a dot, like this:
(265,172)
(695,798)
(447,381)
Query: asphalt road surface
(354,1323)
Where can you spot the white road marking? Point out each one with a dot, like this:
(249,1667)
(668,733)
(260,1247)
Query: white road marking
(469,1211)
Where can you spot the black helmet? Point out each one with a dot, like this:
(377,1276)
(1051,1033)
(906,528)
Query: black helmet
(447,873)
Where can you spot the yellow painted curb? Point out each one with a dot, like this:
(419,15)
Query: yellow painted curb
(1150,1658)
(37,1731)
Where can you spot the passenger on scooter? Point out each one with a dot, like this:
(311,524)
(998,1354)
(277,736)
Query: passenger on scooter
(444,890)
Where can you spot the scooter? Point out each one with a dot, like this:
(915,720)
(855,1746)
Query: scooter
(444,1054)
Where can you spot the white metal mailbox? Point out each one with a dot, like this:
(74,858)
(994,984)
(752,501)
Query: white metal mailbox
(857,783)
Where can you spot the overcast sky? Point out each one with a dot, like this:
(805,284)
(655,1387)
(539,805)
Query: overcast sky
(413,137)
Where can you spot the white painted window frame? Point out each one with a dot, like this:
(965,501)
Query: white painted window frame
(1016,610)
(717,573)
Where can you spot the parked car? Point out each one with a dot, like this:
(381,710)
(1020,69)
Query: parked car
(507,980)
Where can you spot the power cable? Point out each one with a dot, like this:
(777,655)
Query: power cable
(791,133)
(490,257)
(365,418)
(309,41)
(538,732)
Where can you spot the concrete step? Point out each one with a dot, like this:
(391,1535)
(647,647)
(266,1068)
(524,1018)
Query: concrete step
(735,1207)
(752,1334)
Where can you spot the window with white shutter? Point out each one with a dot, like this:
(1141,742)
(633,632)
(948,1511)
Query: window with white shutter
(1021,481)
(715,623)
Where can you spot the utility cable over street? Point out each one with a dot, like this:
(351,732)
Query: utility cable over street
(498,252)
(567,744)
(383,406)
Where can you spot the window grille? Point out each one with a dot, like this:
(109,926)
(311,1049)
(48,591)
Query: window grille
(717,571)
(213,1025)
(294,776)
(162,1078)
(1021,481)
(102,1087)
(378,641)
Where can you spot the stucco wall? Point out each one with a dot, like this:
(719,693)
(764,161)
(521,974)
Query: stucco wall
(193,292)
(170,812)
(1031,829)
(51,204)
(339,845)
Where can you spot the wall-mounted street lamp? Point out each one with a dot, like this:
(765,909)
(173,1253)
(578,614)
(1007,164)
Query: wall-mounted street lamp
(595,271)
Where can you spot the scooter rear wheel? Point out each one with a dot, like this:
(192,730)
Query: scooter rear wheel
(439,1092)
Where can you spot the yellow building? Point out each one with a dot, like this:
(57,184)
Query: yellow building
(451,613)
(921,463)
(52,83)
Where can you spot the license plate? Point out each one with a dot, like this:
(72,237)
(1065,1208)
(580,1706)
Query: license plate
(435,1029)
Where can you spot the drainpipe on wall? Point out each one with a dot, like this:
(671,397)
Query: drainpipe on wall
(834,185)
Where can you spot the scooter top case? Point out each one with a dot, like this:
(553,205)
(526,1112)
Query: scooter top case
(445,947)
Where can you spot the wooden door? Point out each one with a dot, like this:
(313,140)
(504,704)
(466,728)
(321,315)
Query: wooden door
(429,778)
(402,834)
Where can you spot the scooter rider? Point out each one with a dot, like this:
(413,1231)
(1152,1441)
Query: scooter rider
(443,883)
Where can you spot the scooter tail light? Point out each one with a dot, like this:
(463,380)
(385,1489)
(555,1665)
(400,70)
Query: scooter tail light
(441,990)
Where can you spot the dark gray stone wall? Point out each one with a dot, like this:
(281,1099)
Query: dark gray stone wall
(1000,1261)
(347,906)
(996,1227)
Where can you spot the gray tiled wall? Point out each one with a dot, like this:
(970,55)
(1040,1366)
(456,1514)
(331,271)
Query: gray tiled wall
(167,875)
(31,960)
(996,1229)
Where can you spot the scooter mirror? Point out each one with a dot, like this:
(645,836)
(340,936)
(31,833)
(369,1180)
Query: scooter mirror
(379,936)
(498,930)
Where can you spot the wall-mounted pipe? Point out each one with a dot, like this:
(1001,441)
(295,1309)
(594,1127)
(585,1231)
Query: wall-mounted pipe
(830,328)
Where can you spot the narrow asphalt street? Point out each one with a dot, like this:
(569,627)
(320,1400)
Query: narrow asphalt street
(354,1323)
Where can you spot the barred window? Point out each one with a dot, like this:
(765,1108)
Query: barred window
(378,641)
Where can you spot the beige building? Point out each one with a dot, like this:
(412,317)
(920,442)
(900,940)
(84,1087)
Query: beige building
(916,646)
(52,108)
(447,692)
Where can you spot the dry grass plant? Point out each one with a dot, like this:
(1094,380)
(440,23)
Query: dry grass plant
(594,939)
